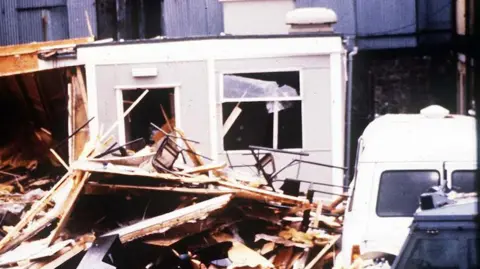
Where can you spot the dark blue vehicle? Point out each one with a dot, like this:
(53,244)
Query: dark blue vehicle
(443,237)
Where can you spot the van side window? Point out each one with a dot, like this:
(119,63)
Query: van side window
(464,180)
(399,191)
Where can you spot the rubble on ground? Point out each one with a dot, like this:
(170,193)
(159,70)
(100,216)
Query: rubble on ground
(144,209)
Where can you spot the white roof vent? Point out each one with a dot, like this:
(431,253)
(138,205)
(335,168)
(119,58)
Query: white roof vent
(435,111)
(316,19)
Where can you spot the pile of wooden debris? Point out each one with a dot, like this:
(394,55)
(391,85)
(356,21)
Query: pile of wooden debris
(143,210)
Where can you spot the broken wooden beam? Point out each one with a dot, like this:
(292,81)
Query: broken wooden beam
(241,255)
(171,219)
(322,252)
(95,167)
(36,208)
(264,195)
(79,181)
(100,188)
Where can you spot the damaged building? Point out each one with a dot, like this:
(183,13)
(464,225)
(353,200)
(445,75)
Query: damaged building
(211,152)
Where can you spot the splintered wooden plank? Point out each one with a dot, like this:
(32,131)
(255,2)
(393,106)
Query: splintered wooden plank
(282,259)
(36,46)
(80,179)
(139,172)
(197,160)
(281,241)
(80,113)
(205,168)
(241,255)
(322,252)
(23,58)
(264,195)
(171,219)
(30,215)
(96,188)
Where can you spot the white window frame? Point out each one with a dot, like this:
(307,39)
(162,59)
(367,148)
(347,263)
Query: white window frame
(276,101)
(151,87)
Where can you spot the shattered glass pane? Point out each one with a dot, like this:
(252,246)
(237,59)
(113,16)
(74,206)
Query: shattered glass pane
(241,87)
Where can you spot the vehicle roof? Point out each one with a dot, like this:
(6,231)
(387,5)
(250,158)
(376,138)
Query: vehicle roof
(417,138)
(459,211)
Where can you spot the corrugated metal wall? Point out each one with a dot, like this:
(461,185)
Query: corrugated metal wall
(24,21)
(19,19)
(8,22)
(183,18)
(343,9)
(77,26)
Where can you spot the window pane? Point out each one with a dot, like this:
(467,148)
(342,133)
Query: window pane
(463,181)
(290,126)
(253,127)
(261,85)
(399,191)
(435,253)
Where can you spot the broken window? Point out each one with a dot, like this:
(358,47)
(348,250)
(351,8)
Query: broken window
(138,123)
(262,109)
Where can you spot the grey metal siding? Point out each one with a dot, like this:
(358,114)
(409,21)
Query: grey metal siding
(385,17)
(21,20)
(343,9)
(439,14)
(77,26)
(40,24)
(214,17)
(57,27)
(22,4)
(387,42)
(8,22)
(30,25)
(183,18)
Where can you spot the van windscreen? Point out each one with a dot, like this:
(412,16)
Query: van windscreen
(464,180)
(399,191)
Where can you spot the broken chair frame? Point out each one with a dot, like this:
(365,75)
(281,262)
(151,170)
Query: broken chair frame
(267,159)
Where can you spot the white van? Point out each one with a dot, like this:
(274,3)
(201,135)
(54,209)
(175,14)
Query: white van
(400,156)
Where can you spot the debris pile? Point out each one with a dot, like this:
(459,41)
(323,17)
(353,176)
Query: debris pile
(145,209)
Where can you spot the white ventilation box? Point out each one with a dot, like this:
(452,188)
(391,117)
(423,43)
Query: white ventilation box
(256,17)
(311,20)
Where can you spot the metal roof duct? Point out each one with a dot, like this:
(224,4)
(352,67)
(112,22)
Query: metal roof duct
(311,20)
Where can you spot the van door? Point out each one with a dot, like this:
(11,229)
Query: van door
(395,198)
(461,176)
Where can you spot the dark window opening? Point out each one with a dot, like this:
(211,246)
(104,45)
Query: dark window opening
(464,180)
(262,111)
(290,126)
(435,253)
(148,110)
(254,126)
(399,191)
